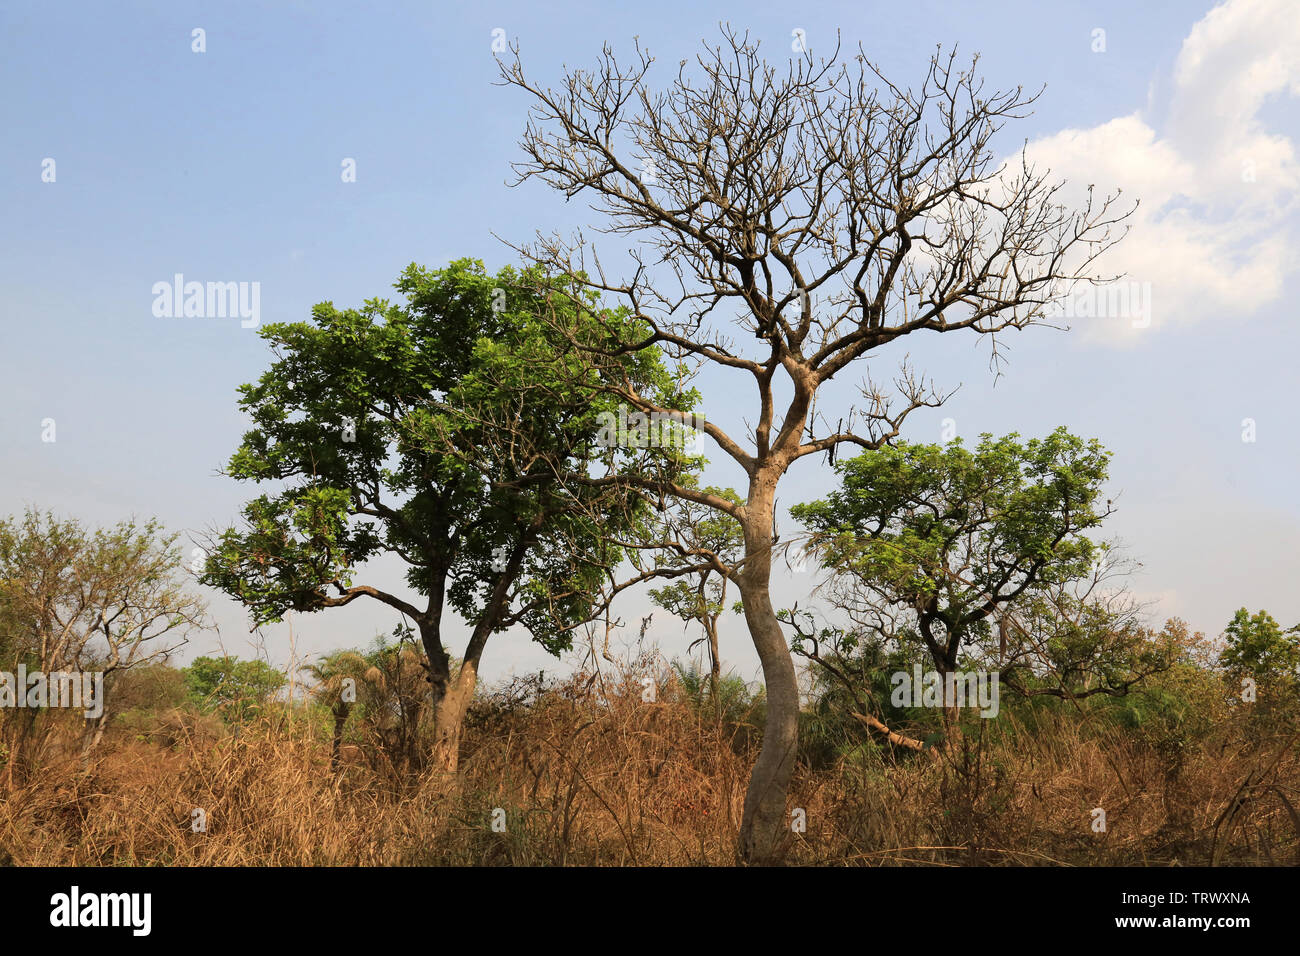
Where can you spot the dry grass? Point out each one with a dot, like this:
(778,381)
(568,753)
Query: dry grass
(591,778)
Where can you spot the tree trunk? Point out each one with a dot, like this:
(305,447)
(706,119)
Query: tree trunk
(763,823)
(451,701)
(449,719)
(715,668)
(440,688)
(951,711)
(92,738)
(951,724)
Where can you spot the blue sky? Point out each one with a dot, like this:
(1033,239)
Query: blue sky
(225,166)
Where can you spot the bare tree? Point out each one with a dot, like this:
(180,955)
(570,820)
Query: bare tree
(826,211)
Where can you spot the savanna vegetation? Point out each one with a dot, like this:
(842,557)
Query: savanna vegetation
(585,770)
(966,677)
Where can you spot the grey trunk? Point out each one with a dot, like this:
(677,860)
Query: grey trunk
(764,822)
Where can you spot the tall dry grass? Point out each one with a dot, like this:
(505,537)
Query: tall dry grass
(587,773)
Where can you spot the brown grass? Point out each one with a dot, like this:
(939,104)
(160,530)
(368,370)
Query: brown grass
(587,778)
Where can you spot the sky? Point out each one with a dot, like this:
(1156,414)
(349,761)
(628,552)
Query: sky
(130,155)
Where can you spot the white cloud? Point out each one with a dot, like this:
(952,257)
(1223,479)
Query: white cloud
(1215,234)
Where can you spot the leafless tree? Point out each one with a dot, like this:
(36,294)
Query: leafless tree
(828,212)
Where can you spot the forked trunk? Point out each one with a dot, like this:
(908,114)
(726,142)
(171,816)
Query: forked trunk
(451,699)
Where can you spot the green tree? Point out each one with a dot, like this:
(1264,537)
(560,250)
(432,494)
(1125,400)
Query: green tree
(937,545)
(437,432)
(81,600)
(340,677)
(730,697)
(1257,646)
(236,690)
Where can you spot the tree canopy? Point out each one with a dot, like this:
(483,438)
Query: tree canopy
(1257,646)
(457,433)
(940,538)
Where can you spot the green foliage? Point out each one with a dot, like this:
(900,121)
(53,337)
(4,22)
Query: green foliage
(969,560)
(704,532)
(76,598)
(853,676)
(236,690)
(1090,644)
(928,521)
(341,681)
(439,431)
(928,542)
(1258,647)
(735,699)
(378,697)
